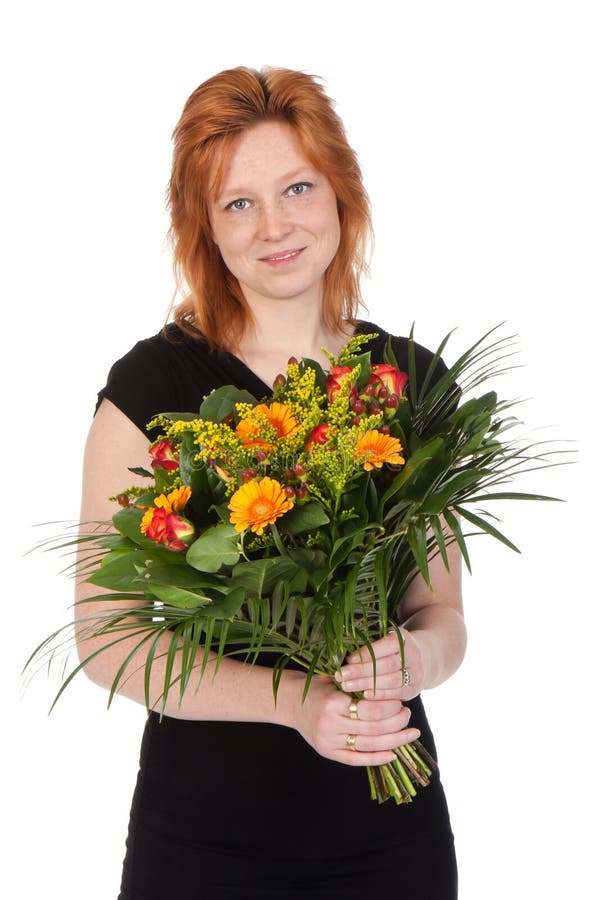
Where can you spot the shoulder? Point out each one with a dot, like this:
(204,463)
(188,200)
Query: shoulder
(148,378)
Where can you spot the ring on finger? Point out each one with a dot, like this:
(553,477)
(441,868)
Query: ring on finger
(351,741)
(353,709)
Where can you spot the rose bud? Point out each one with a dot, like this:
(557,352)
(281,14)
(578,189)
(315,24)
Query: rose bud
(393,379)
(319,435)
(290,474)
(373,409)
(289,491)
(248,474)
(299,469)
(370,389)
(123,500)
(301,492)
(260,455)
(355,421)
(384,429)
(164,456)
(180,532)
(358,407)
(292,361)
(392,401)
(280,381)
(334,380)
(383,392)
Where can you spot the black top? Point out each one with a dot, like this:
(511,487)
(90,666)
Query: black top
(174,373)
(249,811)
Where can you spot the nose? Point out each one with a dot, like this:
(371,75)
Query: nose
(274,223)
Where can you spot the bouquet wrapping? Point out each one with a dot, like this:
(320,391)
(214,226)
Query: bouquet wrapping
(293,525)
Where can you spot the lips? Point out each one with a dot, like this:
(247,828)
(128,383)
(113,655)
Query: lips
(283,256)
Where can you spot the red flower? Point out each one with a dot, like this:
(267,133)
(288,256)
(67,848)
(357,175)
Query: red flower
(335,378)
(319,435)
(394,380)
(168,528)
(164,456)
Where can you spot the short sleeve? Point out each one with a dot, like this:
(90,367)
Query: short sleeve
(140,384)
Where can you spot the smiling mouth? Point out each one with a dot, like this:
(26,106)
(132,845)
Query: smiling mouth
(282,257)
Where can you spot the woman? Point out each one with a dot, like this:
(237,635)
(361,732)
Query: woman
(238,797)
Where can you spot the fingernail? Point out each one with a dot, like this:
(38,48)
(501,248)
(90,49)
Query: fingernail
(338,676)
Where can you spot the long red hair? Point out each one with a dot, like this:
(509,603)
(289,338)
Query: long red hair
(216,112)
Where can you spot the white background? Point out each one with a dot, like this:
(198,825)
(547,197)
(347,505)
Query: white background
(477,127)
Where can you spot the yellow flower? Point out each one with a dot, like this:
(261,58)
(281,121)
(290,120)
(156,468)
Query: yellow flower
(377,448)
(277,415)
(174,502)
(258,504)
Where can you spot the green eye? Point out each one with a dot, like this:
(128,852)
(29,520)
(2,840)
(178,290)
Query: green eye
(239,204)
(298,189)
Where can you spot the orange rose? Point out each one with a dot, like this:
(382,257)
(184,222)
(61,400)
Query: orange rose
(164,456)
(389,376)
(167,528)
(335,379)
(319,435)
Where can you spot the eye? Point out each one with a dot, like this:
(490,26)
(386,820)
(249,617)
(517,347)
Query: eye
(296,190)
(240,204)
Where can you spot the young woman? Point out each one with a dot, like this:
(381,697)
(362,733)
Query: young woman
(237,797)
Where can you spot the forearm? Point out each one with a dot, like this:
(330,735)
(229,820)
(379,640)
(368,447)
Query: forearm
(440,633)
(238,692)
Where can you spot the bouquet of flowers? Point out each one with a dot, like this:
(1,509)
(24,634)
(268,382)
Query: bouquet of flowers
(293,526)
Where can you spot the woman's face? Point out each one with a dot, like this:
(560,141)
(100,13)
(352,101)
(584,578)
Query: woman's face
(275,219)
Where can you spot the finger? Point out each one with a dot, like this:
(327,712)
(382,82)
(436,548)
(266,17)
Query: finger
(385,646)
(384,665)
(369,710)
(374,727)
(394,681)
(352,758)
(404,693)
(365,743)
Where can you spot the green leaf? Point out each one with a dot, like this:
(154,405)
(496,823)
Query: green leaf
(456,530)
(486,526)
(308,517)
(259,576)
(221,402)
(217,547)
(180,416)
(128,522)
(207,488)
(138,470)
(451,490)
(179,597)
(417,539)
(119,571)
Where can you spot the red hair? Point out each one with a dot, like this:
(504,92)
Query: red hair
(214,115)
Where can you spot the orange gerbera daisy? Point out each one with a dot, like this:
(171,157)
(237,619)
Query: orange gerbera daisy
(258,504)
(377,448)
(278,415)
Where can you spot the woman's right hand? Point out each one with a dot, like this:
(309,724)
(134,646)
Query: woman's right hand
(324,722)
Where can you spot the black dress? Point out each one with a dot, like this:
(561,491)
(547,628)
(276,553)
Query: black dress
(245,811)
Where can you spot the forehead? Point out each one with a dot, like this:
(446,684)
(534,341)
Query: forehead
(262,153)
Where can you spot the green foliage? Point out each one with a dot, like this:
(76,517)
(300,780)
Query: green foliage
(331,573)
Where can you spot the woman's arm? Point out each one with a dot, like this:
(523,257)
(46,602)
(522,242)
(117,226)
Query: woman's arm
(238,692)
(435,639)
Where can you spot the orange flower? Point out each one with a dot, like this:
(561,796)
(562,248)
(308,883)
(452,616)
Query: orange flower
(319,435)
(161,523)
(258,504)
(174,501)
(164,456)
(278,416)
(377,448)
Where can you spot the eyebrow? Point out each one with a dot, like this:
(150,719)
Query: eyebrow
(288,177)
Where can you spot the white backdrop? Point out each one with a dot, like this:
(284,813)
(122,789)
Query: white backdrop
(477,127)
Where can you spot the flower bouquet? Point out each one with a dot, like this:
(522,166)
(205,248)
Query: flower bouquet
(293,526)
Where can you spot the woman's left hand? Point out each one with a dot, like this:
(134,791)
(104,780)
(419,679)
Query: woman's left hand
(392,682)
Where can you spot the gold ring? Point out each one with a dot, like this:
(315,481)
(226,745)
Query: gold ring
(351,741)
(353,709)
